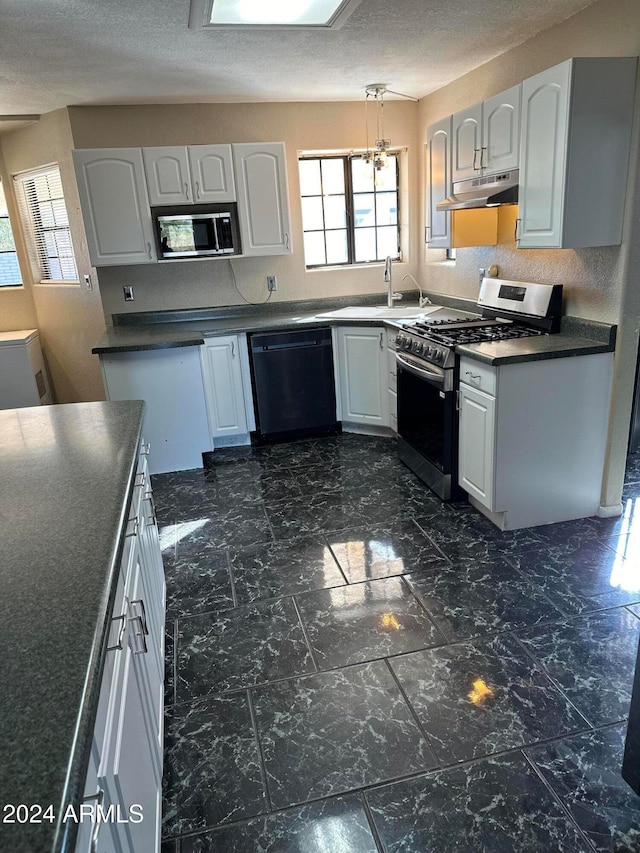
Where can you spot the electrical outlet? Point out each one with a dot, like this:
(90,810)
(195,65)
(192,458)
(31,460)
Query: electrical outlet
(272,283)
(128,293)
(87,282)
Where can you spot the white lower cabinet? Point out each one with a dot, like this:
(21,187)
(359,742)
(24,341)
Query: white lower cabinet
(124,778)
(225,372)
(363,375)
(532,438)
(392,379)
(477,444)
(170,383)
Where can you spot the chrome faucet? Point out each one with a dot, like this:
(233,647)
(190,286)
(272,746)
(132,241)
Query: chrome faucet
(391,296)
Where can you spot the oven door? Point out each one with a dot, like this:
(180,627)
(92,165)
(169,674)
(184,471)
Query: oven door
(427,424)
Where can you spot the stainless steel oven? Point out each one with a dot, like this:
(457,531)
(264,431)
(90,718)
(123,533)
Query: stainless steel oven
(428,423)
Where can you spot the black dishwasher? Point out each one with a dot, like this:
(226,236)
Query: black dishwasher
(293,383)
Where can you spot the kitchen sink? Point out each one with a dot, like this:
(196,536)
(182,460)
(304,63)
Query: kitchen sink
(380,312)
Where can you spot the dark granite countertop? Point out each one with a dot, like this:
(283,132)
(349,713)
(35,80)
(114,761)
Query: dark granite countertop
(67,475)
(163,329)
(189,327)
(576,337)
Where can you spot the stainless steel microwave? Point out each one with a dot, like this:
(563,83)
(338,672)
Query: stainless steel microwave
(196,231)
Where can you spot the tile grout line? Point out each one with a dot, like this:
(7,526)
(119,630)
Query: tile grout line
(232,582)
(263,769)
(414,714)
(372,824)
(558,799)
(305,635)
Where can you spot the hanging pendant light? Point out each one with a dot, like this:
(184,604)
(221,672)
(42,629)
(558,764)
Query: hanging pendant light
(378,156)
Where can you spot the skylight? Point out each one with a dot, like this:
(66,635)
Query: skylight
(271,13)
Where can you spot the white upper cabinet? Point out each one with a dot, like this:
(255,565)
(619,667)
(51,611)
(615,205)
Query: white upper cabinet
(501,132)
(574,153)
(211,173)
(437,233)
(486,136)
(198,174)
(263,198)
(115,206)
(466,144)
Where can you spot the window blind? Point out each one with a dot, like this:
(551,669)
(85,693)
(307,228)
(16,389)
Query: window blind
(47,224)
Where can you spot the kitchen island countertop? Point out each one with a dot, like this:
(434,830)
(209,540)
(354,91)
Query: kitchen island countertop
(67,475)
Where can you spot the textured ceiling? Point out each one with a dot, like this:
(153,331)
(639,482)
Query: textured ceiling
(55,53)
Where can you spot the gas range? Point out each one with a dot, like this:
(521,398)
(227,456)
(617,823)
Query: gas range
(510,310)
(435,342)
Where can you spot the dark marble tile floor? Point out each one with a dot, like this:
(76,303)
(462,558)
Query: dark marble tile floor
(353,666)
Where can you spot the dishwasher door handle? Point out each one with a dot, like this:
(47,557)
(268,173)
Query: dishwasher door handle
(293,345)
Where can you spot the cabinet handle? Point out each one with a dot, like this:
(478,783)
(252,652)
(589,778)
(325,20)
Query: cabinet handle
(134,532)
(140,479)
(140,636)
(474,376)
(99,798)
(123,626)
(381,336)
(144,450)
(516,231)
(427,228)
(233,349)
(483,165)
(143,614)
(286,241)
(186,189)
(197,189)
(149,251)
(475,157)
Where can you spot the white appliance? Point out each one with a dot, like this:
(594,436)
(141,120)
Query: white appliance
(23,376)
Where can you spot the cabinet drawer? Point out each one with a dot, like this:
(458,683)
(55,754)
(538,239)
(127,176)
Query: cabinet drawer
(479,375)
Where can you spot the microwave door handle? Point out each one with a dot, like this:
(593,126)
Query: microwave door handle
(430,376)
(214,231)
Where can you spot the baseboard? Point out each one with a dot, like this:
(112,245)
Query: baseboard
(612,511)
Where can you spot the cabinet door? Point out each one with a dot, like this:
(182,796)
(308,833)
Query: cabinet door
(263,199)
(466,143)
(476,461)
(224,391)
(545,111)
(363,375)
(501,131)
(167,171)
(438,231)
(115,206)
(212,173)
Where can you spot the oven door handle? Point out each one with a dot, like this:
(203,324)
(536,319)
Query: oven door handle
(430,376)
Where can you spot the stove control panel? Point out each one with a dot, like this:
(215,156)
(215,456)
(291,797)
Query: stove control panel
(425,349)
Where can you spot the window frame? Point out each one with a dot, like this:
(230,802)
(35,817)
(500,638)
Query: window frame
(35,230)
(13,251)
(349,194)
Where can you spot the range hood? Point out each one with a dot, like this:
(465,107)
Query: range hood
(483,192)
